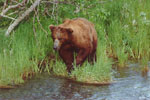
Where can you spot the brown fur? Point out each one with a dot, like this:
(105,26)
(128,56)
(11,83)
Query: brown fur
(76,35)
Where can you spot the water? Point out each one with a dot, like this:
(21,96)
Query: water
(130,86)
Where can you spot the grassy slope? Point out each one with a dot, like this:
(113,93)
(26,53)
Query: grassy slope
(123,32)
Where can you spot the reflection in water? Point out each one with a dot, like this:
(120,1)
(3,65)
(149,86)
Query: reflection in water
(130,86)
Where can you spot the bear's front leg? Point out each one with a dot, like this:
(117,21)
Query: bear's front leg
(67,56)
(81,56)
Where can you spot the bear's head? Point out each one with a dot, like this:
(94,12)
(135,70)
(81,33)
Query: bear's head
(60,36)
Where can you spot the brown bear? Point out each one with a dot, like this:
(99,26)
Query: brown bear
(75,35)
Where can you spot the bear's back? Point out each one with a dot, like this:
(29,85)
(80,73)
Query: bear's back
(83,31)
(77,22)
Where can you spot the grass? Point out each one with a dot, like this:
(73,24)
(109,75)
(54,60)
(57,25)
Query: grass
(20,53)
(99,72)
(123,34)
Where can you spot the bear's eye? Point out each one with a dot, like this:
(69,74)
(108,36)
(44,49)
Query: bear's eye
(61,39)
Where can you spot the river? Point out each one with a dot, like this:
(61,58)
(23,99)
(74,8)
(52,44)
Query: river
(130,85)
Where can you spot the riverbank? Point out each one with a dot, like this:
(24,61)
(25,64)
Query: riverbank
(46,87)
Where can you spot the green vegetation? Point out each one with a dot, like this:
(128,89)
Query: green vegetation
(123,32)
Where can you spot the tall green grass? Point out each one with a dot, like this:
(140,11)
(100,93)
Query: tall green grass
(128,30)
(20,53)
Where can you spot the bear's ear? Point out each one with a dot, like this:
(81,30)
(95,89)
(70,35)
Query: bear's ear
(52,27)
(69,30)
(66,20)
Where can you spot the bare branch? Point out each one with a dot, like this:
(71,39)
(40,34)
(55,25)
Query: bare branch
(38,20)
(34,29)
(10,7)
(56,2)
(7,17)
(14,1)
(13,13)
(5,4)
(13,6)
(20,18)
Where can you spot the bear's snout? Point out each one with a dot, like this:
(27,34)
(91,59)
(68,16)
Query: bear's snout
(56,45)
